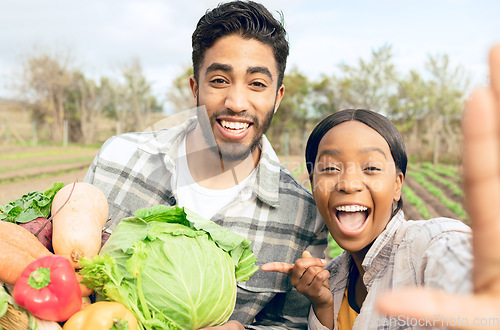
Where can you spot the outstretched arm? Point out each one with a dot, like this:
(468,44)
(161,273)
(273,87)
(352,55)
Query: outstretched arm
(481,164)
(309,277)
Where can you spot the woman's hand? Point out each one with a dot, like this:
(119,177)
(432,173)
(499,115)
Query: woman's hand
(309,277)
(481,164)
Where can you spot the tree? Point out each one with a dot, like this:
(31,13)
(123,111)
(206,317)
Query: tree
(428,111)
(133,99)
(180,95)
(92,98)
(371,84)
(45,79)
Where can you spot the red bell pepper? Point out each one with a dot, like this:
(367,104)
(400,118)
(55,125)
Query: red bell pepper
(48,289)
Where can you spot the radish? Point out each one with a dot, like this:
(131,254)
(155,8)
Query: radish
(42,229)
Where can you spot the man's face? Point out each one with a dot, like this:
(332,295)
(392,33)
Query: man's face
(238,87)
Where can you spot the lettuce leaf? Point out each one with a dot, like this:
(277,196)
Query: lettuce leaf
(35,204)
(172,268)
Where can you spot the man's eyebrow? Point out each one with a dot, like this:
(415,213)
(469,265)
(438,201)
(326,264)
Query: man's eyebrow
(218,67)
(260,69)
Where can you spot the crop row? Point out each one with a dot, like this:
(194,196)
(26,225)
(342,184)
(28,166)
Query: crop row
(421,178)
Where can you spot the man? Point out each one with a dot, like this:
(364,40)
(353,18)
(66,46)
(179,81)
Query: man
(220,165)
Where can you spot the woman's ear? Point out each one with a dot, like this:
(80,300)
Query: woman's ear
(400,178)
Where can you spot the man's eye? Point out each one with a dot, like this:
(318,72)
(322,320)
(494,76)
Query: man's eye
(259,84)
(218,81)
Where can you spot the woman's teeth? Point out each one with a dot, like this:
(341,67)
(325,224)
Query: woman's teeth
(234,125)
(351,208)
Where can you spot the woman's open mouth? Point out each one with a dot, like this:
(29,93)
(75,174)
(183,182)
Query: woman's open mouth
(352,218)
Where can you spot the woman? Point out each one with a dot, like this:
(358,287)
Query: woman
(357,161)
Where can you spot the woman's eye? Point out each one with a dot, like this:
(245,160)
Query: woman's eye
(372,169)
(330,169)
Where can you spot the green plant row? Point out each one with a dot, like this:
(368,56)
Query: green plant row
(334,248)
(44,153)
(48,162)
(40,176)
(457,191)
(413,199)
(299,170)
(438,193)
(448,171)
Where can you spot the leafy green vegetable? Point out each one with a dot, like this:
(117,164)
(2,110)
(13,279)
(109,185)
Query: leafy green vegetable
(172,268)
(35,204)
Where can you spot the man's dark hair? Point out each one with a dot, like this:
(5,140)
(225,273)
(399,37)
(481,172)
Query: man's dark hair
(248,19)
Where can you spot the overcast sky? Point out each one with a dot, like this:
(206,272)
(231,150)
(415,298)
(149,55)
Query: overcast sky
(103,35)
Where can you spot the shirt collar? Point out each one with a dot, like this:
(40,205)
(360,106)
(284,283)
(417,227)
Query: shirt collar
(380,252)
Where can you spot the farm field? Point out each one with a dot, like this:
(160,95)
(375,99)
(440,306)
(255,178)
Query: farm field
(429,191)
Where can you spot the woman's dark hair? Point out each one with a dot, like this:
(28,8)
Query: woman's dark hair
(374,120)
(248,19)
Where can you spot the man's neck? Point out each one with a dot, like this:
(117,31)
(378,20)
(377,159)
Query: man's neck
(210,170)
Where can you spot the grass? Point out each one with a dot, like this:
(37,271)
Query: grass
(44,163)
(39,176)
(438,193)
(448,171)
(44,153)
(457,191)
(335,249)
(413,199)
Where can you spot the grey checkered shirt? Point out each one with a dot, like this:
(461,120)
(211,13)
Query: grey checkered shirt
(275,212)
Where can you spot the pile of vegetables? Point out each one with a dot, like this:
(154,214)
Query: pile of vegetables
(163,268)
(172,268)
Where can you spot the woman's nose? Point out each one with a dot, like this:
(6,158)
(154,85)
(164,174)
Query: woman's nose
(350,181)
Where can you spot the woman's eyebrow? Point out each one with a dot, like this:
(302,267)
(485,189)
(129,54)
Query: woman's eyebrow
(329,152)
(372,149)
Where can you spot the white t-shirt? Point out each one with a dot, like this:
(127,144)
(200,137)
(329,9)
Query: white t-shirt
(206,202)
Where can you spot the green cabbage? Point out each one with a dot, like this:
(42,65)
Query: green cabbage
(172,268)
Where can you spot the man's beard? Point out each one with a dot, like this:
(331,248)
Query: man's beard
(234,151)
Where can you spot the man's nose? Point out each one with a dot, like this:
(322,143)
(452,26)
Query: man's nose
(237,98)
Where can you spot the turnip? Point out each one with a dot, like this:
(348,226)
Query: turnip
(42,229)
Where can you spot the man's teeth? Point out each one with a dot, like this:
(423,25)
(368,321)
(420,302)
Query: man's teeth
(351,208)
(234,125)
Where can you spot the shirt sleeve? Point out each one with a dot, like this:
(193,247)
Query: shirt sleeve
(446,263)
(313,323)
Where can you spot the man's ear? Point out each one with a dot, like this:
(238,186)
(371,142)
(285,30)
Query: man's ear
(194,88)
(279,96)
(400,178)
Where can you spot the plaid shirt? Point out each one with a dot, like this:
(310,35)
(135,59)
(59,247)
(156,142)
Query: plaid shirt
(435,253)
(275,212)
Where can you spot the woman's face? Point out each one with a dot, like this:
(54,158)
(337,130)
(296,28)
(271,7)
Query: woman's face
(355,183)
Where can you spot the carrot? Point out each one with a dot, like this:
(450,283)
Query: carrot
(85,291)
(23,239)
(13,261)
